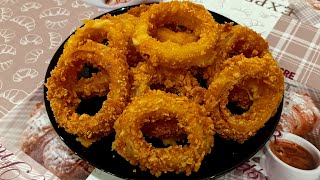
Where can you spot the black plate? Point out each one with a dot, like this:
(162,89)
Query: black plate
(226,155)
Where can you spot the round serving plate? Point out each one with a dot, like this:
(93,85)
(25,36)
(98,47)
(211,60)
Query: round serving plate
(225,156)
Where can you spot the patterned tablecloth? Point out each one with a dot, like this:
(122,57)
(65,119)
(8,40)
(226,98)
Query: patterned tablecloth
(32,30)
(31,33)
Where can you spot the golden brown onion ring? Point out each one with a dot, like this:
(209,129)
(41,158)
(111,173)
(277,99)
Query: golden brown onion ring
(173,55)
(64,98)
(104,31)
(131,145)
(263,78)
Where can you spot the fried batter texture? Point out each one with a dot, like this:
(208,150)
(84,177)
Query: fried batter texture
(174,55)
(235,40)
(262,78)
(182,38)
(165,33)
(125,25)
(64,99)
(164,129)
(138,10)
(131,145)
(100,81)
(147,77)
(169,71)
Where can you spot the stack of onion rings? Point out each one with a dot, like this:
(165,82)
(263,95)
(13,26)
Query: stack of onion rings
(149,61)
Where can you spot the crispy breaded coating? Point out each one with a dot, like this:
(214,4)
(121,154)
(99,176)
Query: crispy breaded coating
(131,145)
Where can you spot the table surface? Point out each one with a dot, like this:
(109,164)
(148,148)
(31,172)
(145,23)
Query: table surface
(31,32)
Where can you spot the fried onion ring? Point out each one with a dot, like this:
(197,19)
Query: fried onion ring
(263,78)
(154,64)
(131,145)
(64,98)
(173,55)
(103,31)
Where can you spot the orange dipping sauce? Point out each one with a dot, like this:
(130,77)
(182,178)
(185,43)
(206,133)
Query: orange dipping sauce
(293,154)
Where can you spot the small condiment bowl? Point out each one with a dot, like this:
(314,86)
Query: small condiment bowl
(277,169)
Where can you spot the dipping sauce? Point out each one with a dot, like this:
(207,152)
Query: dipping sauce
(293,154)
